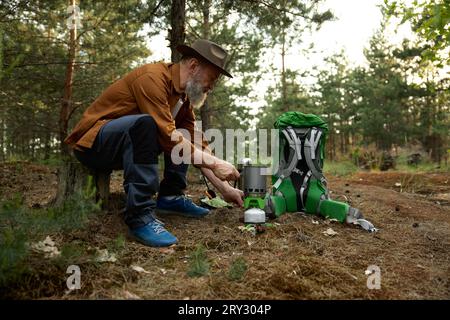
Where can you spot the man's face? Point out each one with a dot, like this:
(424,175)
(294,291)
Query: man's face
(200,83)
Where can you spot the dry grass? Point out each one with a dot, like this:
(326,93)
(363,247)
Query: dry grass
(291,260)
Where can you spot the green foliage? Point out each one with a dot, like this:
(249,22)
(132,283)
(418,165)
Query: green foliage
(54,161)
(199,264)
(237,269)
(228,104)
(13,251)
(20,226)
(298,98)
(339,168)
(426,163)
(71,253)
(430,21)
(118,244)
(33,55)
(382,104)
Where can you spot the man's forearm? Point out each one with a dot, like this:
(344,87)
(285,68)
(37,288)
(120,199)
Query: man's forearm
(221,169)
(198,157)
(221,186)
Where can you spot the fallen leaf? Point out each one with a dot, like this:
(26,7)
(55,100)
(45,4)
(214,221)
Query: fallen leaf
(248,228)
(47,246)
(168,250)
(330,232)
(216,202)
(139,269)
(104,256)
(131,296)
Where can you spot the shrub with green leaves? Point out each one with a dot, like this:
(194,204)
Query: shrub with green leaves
(199,265)
(20,226)
(238,269)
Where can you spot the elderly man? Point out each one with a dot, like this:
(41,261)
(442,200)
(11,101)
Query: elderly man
(136,118)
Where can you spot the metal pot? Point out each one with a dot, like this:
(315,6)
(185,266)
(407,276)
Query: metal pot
(255,183)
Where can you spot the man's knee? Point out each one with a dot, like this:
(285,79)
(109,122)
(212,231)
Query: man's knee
(144,138)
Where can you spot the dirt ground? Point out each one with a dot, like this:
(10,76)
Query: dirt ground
(293,259)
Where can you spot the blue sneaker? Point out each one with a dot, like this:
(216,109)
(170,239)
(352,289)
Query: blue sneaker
(153,234)
(180,205)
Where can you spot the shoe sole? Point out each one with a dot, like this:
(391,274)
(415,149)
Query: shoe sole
(150,245)
(177,213)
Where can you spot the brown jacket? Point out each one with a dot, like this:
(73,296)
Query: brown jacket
(153,89)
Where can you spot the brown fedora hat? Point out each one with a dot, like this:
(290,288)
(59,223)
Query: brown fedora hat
(208,50)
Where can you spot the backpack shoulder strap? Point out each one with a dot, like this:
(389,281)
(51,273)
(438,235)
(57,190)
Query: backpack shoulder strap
(312,145)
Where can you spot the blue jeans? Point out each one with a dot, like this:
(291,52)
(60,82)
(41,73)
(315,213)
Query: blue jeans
(131,143)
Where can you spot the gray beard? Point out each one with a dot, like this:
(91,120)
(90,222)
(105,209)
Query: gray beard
(194,91)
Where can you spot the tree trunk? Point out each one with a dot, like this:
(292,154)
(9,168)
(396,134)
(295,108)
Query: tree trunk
(2,139)
(66,103)
(283,72)
(204,115)
(205,111)
(177,33)
(73,179)
(72,176)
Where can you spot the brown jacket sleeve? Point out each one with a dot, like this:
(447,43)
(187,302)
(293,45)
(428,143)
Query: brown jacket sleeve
(188,123)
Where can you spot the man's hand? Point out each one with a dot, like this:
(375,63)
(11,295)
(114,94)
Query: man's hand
(234,195)
(225,171)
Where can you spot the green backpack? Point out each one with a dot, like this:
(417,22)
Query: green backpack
(299,183)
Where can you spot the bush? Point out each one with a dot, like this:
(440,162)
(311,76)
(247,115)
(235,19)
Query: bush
(341,168)
(199,265)
(237,269)
(20,226)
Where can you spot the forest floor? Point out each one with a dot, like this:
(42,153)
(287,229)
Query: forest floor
(292,259)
